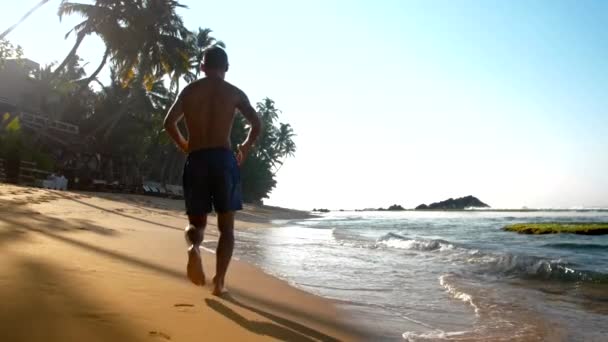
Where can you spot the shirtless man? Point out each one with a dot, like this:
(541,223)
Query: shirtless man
(211,175)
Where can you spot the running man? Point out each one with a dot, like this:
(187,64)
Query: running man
(211,177)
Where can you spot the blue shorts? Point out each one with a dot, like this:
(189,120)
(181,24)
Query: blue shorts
(212,180)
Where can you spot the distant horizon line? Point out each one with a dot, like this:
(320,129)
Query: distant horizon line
(472,209)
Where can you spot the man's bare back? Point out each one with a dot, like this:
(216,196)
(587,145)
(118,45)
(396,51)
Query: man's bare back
(209,108)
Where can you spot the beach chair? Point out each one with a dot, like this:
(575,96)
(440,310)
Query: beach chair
(147,190)
(49,183)
(99,184)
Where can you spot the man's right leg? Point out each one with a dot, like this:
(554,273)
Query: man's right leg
(194,237)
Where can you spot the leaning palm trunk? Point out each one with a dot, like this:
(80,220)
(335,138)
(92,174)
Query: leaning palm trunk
(93,77)
(79,39)
(27,14)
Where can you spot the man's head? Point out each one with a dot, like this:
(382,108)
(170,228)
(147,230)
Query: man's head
(215,62)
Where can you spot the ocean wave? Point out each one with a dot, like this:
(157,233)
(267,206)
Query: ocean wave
(510,265)
(499,264)
(568,245)
(394,240)
(419,245)
(532,267)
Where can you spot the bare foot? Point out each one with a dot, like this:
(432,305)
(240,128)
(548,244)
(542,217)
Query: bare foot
(195,266)
(218,288)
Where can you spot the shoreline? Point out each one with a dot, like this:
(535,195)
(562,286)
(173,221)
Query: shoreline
(466,210)
(100,266)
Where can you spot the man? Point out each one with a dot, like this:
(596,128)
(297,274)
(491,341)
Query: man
(211,177)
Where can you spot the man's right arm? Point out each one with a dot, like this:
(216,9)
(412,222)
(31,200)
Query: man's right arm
(175,114)
(244,106)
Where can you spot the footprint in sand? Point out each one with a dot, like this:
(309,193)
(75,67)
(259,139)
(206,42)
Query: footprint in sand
(184,307)
(159,334)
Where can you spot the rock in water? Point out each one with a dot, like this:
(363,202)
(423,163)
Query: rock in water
(455,204)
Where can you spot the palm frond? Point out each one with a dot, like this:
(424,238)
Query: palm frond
(69,8)
(78,28)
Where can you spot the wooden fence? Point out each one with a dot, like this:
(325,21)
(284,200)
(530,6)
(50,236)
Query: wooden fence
(2,171)
(30,175)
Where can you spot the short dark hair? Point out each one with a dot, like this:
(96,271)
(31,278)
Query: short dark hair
(215,58)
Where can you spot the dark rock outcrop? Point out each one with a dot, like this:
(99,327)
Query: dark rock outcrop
(396,207)
(455,204)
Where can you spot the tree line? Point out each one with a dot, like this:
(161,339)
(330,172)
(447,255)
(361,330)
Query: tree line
(150,54)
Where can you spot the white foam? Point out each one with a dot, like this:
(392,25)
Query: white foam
(457,294)
(432,335)
(420,245)
(212,251)
(209,250)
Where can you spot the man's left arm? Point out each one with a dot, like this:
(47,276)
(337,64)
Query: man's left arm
(175,114)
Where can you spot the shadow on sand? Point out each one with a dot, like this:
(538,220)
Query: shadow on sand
(269,329)
(20,221)
(282,328)
(115,212)
(44,305)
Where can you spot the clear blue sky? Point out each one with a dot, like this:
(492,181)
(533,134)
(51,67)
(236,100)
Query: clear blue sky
(411,101)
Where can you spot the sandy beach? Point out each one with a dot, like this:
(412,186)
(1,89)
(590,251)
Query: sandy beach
(111,267)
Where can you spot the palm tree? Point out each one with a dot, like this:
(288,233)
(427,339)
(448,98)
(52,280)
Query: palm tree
(144,39)
(25,16)
(197,44)
(102,18)
(266,145)
(53,90)
(284,142)
(200,42)
(157,46)
(157,43)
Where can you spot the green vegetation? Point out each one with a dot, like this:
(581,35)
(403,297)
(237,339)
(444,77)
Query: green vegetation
(584,228)
(275,144)
(15,146)
(149,52)
(8,50)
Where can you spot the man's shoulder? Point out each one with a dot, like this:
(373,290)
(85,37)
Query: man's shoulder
(233,88)
(193,87)
(190,87)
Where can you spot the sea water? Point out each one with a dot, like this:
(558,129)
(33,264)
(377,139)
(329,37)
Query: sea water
(425,276)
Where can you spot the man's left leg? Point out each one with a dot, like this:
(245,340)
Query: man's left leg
(194,237)
(225,247)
